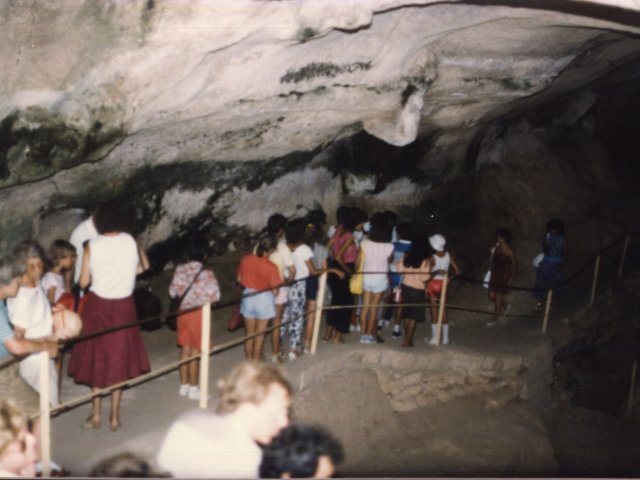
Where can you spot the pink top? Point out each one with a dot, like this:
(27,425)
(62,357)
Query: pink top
(376,257)
(351,253)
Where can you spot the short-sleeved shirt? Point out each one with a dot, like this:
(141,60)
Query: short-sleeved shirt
(300,256)
(320,255)
(281,257)
(376,257)
(258,273)
(204,289)
(340,239)
(55,280)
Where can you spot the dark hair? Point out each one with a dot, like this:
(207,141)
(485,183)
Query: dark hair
(265,244)
(404,230)
(419,252)
(296,451)
(391,217)
(555,224)
(380,228)
(341,213)
(111,216)
(60,249)
(504,233)
(197,248)
(317,217)
(126,465)
(275,223)
(294,231)
(353,218)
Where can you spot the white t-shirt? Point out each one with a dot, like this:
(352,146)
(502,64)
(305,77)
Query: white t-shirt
(300,256)
(376,257)
(55,280)
(85,230)
(282,257)
(113,261)
(200,444)
(31,310)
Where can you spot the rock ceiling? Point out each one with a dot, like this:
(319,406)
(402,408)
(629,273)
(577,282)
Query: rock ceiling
(94,90)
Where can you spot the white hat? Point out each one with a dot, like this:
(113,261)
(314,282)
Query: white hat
(437,242)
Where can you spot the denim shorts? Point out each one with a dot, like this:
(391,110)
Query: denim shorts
(261,306)
(376,283)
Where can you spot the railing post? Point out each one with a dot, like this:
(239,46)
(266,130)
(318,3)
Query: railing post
(547,310)
(205,345)
(45,414)
(317,315)
(632,389)
(624,254)
(443,296)
(595,280)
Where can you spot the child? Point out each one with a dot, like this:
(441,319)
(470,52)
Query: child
(316,238)
(294,313)
(378,252)
(417,271)
(260,279)
(503,270)
(439,264)
(30,313)
(57,281)
(198,285)
(281,256)
(400,249)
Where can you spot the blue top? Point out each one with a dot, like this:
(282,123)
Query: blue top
(6,332)
(399,249)
(553,248)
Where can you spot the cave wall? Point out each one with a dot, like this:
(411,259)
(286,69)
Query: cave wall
(212,115)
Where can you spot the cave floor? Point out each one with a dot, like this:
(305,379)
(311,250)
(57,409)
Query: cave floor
(149,408)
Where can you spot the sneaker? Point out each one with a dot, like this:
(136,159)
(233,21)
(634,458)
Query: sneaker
(446,342)
(368,339)
(386,323)
(194,392)
(184,389)
(431,341)
(396,333)
(292,356)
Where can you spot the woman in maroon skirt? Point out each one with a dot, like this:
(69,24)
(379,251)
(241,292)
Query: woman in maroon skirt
(110,264)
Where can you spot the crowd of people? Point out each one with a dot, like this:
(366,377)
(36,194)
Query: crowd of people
(382,271)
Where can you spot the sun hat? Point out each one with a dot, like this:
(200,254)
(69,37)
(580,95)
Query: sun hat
(437,242)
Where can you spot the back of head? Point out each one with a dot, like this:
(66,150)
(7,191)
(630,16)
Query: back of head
(265,244)
(111,217)
(380,228)
(294,231)
(341,213)
(197,248)
(317,217)
(275,223)
(555,224)
(420,251)
(296,452)
(248,382)
(505,234)
(354,217)
(125,465)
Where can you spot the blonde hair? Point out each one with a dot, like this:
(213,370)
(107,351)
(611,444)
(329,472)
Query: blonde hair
(248,382)
(12,421)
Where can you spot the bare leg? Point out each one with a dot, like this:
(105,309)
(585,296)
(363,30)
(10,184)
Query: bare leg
(94,418)
(258,344)
(250,329)
(374,299)
(494,298)
(194,368)
(409,330)
(275,333)
(183,370)
(116,396)
(364,313)
(338,338)
(329,333)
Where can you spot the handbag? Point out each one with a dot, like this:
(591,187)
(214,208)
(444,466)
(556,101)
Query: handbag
(236,320)
(356,282)
(171,318)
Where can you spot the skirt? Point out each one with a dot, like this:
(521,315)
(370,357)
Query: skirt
(189,330)
(105,360)
(414,295)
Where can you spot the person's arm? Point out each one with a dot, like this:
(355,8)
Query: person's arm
(22,346)
(454,266)
(314,271)
(340,256)
(143,264)
(51,294)
(85,273)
